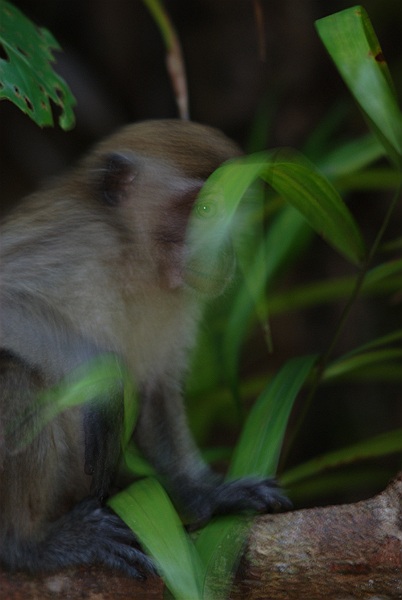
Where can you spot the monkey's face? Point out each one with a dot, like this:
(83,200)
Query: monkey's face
(153,194)
(174,231)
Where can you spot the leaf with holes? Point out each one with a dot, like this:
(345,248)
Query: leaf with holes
(26,76)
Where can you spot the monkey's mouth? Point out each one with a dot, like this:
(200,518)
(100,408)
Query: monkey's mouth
(210,278)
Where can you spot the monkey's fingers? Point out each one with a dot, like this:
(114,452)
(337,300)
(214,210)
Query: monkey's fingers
(243,495)
(108,540)
(249,494)
(124,552)
(129,560)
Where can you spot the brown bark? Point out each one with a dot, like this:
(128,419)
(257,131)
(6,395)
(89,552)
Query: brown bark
(351,551)
(346,552)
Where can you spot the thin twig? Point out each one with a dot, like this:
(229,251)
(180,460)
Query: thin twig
(174,56)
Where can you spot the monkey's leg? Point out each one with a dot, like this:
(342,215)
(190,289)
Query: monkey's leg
(41,477)
(163,436)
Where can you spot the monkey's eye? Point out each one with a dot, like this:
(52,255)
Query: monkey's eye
(206,209)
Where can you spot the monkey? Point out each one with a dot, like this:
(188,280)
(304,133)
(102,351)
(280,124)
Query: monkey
(97,263)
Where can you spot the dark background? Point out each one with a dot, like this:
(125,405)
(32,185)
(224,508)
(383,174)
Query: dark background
(114,62)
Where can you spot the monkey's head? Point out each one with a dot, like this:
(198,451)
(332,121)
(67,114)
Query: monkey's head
(149,177)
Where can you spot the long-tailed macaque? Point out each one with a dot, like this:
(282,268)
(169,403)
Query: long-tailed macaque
(99,262)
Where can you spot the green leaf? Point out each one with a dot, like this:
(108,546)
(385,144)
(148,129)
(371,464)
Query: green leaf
(389,338)
(382,272)
(367,356)
(353,45)
(257,451)
(220,545)
(379,178)
(306,189)
(293,177)
(381,445)
(134,464)
(303,186)
(286,236)
(26,76)
(392,245)
(382,279)
(147,510)
(346,365)
(351,157)
(333,484)
(96,379)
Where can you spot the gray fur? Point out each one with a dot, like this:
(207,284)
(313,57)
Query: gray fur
(97,263)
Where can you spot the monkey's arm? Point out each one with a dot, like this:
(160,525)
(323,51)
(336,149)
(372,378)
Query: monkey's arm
(164,437)
(35,332)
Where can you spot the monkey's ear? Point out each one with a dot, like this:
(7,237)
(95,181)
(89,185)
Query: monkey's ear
(118,174)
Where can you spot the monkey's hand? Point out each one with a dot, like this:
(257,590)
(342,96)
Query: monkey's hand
(202,501)
(90,534)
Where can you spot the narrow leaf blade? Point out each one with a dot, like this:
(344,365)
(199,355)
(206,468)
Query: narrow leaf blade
(147,510)
(353,45)
(257,451)
(303,186)
(380,445)
(220,545)
(358,362)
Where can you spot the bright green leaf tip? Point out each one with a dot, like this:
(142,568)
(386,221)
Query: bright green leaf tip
(353,46)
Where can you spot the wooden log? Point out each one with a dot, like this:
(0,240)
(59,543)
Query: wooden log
(344,552)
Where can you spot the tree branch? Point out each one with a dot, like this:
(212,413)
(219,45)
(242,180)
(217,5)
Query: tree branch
(345,552)
(350,551)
